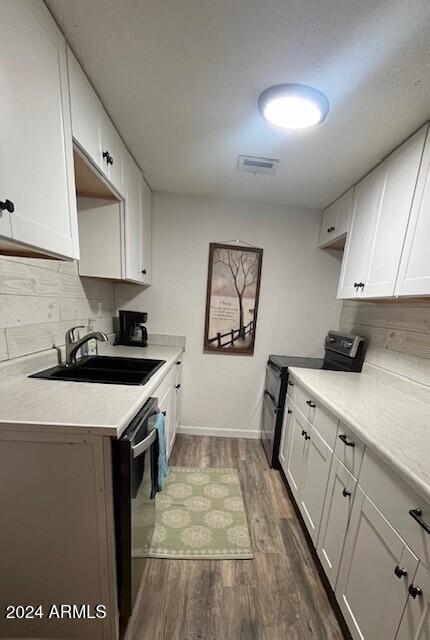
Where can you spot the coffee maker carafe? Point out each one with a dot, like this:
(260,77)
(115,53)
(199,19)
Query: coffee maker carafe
(132,330)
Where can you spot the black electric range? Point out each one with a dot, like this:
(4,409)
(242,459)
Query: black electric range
(343,352)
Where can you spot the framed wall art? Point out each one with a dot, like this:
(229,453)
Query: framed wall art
(232,298)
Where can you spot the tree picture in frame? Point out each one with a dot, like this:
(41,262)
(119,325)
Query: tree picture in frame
(232,298)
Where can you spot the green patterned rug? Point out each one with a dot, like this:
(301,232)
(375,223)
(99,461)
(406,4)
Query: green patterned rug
(201,514)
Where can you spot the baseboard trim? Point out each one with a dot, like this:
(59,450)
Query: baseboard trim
(251,434)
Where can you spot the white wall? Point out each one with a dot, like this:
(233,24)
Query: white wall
(297,298)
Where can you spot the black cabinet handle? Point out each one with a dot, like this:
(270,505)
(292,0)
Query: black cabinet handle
(107,156)
(144,272)
(177,386)
(417,515)
(346,493)
(330,229)
(164,413)
(307,437)
(289,411)
(305,434)
(400,572)
(415,591)
(178,363)
(344,438)
(8,205)
(311,404)
(290,384)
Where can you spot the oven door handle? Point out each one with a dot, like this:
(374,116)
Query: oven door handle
(274,366)
(144,444)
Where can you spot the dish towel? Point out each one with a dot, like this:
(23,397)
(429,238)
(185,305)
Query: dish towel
(163,467)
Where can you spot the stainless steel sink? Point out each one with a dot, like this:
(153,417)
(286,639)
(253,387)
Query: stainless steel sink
(104,369)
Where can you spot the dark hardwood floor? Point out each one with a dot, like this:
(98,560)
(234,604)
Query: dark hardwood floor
(276,596)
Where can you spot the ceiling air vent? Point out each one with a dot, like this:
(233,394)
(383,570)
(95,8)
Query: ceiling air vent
(252,164)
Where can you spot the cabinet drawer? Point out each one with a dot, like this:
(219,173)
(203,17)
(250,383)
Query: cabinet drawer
(164,385)
(303,401)
(349,449)
(325,423)
(395,500)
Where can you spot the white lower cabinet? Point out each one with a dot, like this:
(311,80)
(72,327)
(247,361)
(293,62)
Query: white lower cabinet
(371,595)
(305,459)
(167,406)
(415,623)
(313,486)
(295,453)
(335,519)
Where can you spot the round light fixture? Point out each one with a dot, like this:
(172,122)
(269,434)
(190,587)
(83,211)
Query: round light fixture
(293,106)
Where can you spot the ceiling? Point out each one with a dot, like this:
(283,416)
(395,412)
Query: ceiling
(181,79)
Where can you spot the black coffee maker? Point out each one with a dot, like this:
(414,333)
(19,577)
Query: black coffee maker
(132,330)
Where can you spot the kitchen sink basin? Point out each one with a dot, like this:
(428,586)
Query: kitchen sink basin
(104,369)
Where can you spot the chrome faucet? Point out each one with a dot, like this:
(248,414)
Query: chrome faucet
(73,345)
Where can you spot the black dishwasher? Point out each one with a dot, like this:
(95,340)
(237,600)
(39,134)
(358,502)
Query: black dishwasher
(135,472)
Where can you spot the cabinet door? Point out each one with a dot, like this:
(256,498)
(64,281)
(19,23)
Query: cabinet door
(414,272)
(86,112)
(146,233)
(286,428)
(313,487)
(37,171)
(367,195)
(335,220)
(166,406)
(415,623)
(295,454)
(112,154)
(335,519)
(370,594)
(398,175)
(133,222)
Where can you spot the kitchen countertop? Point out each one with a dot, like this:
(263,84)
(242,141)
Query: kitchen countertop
(102,409)
(388,421)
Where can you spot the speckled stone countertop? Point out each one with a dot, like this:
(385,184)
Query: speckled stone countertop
(102,409)
(388,421)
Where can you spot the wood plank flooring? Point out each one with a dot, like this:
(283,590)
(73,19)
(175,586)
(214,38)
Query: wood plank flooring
(276,596)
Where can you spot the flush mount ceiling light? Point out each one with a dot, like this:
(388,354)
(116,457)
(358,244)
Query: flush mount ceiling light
(293,106)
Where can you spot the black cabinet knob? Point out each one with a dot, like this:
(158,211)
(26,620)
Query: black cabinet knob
(311,404)
(290,384)
(177,386)
(8,205)
(307,437)
(144,272)
(415,591)
(303,432)
(400,572)
(164,413)
(330,229)
(346,493)
(289,411)
(178,363)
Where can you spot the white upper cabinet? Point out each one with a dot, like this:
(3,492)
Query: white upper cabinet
(414,272)
(92,129)
(398,177)
(381,211)
(137,225)
(335,220)
(86,110)
(37,175)
(367,194)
